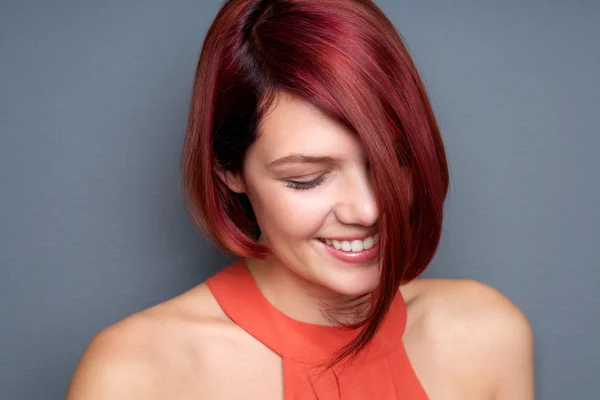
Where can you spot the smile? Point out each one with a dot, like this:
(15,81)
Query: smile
(353,246)
(356,251)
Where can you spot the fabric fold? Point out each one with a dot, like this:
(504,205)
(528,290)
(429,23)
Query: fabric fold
(381,371)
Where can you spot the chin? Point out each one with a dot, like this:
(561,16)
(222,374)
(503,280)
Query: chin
(352,281)
(341,277)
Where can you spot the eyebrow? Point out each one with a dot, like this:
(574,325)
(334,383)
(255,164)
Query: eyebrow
(296,158)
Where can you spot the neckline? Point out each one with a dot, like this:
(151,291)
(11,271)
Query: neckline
(308,326)
(306,342)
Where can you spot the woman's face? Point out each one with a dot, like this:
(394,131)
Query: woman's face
(308,180)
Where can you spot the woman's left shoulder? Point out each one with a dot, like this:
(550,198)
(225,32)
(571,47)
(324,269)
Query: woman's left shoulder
(456,302)
(477,333)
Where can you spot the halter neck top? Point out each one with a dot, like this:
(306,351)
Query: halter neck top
(382,371)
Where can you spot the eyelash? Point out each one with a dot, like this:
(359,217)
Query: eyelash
(296,185)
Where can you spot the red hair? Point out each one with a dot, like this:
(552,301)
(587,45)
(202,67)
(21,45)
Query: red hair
(346,58)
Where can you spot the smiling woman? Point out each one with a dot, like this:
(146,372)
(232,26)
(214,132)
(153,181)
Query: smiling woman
(313,154)
(308,182)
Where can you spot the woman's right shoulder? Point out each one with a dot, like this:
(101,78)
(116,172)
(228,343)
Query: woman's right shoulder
(154,353)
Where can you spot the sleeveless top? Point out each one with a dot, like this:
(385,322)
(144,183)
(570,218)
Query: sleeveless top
(382,371)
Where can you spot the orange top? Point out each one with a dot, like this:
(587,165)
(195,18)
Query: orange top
(381,371)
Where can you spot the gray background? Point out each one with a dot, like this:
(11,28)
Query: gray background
(93,105)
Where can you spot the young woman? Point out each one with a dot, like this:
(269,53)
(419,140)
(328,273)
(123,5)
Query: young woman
(313,155)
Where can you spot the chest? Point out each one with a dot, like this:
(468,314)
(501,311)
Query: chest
(255,372)
(437,366)
(250,371)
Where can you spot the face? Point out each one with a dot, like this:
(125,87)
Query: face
(308,180)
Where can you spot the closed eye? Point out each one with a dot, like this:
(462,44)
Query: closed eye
(305,185)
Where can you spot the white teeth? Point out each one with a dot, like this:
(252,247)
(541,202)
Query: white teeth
(354,245)
(357,245)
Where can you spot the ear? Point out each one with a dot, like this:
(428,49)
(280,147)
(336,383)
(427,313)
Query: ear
(234,181)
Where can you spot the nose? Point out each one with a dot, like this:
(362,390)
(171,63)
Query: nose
(357,204)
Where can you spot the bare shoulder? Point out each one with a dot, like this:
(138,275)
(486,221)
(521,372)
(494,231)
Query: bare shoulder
(156,352)
(474,334)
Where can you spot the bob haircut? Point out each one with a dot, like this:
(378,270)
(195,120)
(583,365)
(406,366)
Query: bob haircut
(346,58)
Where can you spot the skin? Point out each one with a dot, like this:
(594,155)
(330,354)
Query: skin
(465,340)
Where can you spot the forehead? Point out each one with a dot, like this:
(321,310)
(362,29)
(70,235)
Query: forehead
(295,126)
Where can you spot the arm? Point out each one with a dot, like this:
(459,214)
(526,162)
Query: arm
(115,366)
(501,344)
(515,373)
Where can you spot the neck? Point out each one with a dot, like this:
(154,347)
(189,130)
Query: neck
(296,296)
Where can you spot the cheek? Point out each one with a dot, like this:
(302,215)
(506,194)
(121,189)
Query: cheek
(284,212)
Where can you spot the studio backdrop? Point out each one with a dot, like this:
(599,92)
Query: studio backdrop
(93,107)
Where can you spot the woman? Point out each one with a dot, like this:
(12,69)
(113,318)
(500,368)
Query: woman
(312,153)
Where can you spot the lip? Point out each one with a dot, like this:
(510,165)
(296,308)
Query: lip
(349,256)
(351,237)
